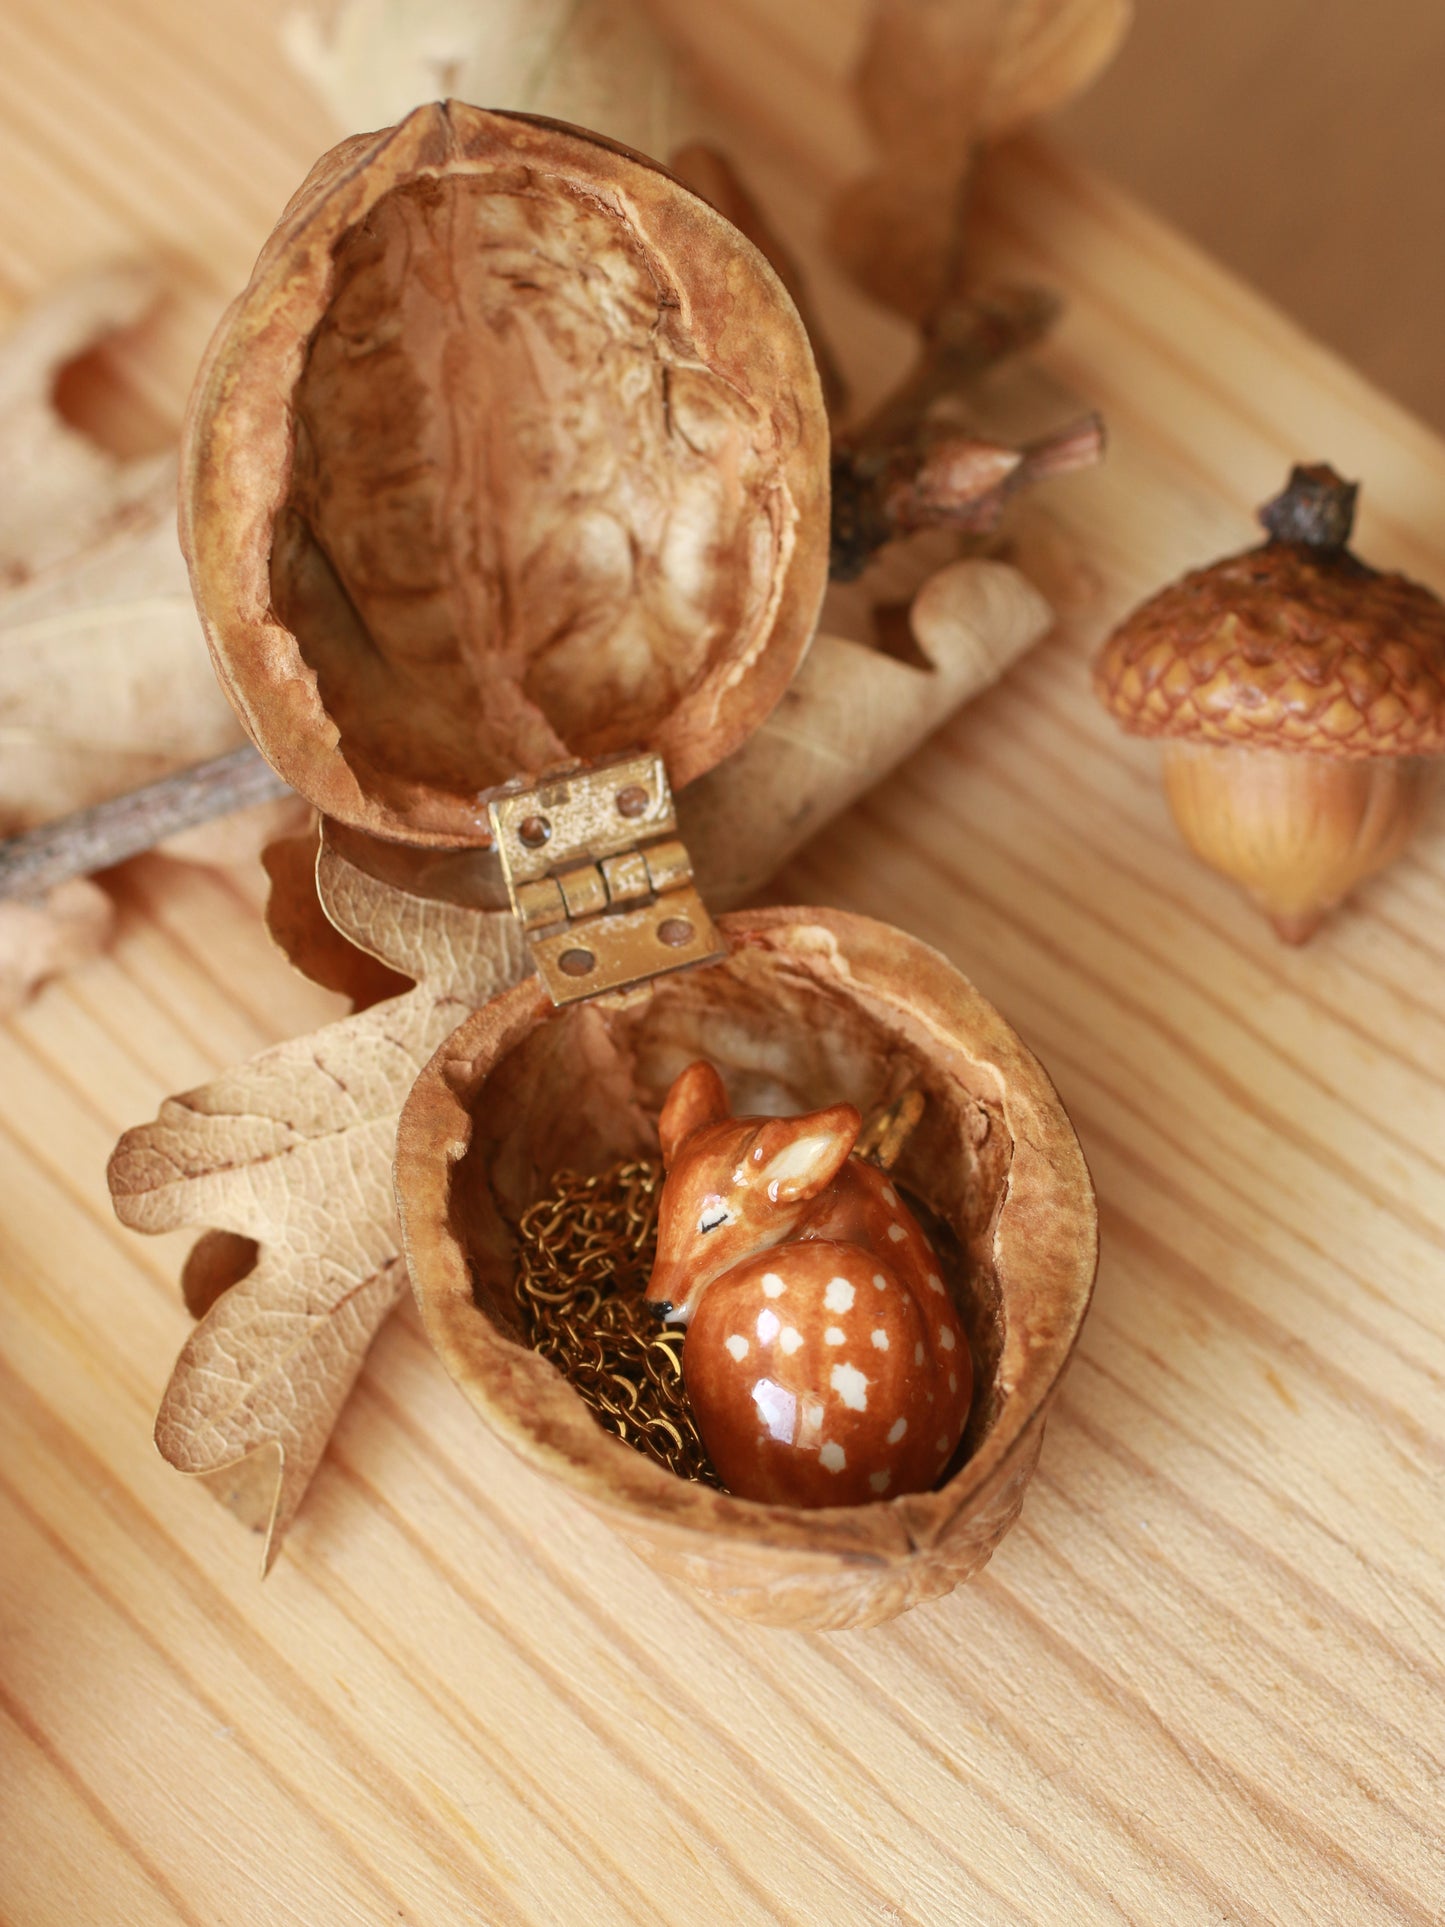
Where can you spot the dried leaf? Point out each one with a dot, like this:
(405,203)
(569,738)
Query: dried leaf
(105,681)
(936,78)
(301,929)
(293,1151)
(595,63)
(426,914)
(40,940)
(1048,51)
(105,684)
(215,1262)
(60,492)
(852,714)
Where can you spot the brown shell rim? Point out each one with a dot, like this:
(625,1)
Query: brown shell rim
(235,453)
(1045,1244)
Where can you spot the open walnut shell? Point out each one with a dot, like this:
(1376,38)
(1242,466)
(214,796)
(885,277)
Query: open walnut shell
(810,1007)
(511,455)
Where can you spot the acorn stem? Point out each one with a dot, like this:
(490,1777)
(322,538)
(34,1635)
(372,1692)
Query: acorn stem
(1316,508)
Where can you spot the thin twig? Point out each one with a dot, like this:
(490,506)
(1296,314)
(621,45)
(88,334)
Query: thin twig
(35,861)
(908,467)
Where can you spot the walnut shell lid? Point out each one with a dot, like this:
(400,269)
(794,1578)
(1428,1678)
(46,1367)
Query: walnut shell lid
(810,1007)
(511,455)
(1297,645)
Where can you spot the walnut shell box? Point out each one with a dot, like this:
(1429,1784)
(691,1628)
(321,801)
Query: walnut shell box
(512,460)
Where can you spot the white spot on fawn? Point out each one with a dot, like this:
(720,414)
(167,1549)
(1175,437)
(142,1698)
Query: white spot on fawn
(890,1197)
(918,1353)
(738,1346)
(812,1429)
(832,1457)
(945,1337)
(880,1283)
(878,1481)
(880,1339)
(833,1335)
(851,1386)
(777,1408)
(773,1286)
(896,1430)
(953,1381)
(790,1339)
(897,1233)
(935,1283)
(838,1296)
(768,1327)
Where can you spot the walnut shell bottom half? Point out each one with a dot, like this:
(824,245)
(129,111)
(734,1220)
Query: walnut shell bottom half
(810,1007)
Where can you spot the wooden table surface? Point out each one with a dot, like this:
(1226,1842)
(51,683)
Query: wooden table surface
(1203,1680)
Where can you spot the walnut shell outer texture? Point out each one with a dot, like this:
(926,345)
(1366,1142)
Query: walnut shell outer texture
(811,1006)
(1280,649)
(511,455)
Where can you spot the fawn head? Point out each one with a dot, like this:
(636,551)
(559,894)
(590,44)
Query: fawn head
(734,1185)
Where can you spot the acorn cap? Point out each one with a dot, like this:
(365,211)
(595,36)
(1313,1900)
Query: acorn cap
(512,455)
(1297,645)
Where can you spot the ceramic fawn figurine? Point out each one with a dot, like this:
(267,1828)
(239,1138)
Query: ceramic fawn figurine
(824,1360)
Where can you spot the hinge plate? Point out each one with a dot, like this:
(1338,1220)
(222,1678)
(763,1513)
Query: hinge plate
(599,881)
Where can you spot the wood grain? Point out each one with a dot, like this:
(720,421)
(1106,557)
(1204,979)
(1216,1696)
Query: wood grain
(1202,1679)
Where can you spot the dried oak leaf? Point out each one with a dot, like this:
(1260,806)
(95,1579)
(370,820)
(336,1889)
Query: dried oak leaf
(104,677)
(368,918)
(105,683)
(440,916)
(936,78)
(852,714)
(595,63)
(60,492)
(40,940)
(306,936)
(294,1152)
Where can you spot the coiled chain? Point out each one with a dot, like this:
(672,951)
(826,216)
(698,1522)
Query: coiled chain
(586,1251)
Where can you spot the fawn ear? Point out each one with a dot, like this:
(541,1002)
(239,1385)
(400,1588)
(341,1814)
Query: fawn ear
(802,1155)
(697,1098)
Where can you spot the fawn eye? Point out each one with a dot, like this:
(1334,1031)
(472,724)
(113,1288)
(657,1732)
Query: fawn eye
(714,1213)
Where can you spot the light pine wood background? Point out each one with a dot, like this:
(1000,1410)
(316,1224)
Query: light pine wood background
(1202,1680)
(1303,143)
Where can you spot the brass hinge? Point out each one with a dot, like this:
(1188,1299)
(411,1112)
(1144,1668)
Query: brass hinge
(599,881)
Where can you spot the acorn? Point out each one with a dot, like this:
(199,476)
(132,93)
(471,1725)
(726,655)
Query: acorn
(1301,698)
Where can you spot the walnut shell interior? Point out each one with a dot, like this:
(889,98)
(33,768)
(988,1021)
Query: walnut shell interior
(512,455)
(810,1007)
